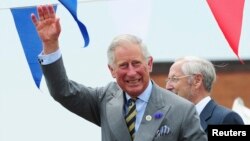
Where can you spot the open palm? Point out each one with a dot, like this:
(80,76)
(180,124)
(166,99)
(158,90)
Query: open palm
(47,26)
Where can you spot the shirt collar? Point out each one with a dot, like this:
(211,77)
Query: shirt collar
(144,96)
(201,105)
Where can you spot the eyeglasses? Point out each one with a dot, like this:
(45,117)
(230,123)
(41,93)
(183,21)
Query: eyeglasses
(175,79)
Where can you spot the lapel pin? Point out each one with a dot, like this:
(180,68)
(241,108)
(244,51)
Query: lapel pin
(158,115)
(148,117)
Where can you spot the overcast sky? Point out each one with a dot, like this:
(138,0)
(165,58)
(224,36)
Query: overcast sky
(170,28)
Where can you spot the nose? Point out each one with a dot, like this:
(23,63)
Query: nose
(131,70)
(169,86)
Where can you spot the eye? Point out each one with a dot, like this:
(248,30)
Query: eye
(174,79)
(136,63)
(123,66)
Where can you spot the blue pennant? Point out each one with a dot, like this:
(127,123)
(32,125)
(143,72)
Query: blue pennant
(71,5)
(29,38)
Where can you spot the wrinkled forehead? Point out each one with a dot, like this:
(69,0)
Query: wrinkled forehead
(175,69)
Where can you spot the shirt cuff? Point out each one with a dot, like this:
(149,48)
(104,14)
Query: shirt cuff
(49,58)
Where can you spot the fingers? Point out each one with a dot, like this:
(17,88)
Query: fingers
(58,26)
(45,12)
(40,12)
(34,19)
(51,11)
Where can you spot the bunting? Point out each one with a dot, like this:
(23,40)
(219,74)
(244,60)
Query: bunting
(29,38)
(229,14)
(71,5)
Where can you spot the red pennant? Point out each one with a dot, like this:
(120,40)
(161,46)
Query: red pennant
(228,14)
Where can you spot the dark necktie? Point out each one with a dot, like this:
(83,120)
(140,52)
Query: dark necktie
(130,117)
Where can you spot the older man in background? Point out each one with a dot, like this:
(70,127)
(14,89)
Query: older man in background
(193,78)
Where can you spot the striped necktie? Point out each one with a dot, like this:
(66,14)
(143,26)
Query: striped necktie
(130,117)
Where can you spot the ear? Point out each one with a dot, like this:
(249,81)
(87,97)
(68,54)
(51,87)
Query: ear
(112,71)
(150,64)
(198,80)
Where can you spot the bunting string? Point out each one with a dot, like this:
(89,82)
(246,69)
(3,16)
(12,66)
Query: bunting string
(54,4)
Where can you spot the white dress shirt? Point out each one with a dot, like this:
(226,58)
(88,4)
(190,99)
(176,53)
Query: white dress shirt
(141,103)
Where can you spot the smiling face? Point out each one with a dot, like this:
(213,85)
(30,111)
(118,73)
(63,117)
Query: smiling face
(131,69)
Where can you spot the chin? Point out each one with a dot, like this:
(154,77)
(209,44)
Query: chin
(134,93)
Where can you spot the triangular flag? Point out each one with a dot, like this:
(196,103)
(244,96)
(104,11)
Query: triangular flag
(71,5)
(30,41)
(229,14)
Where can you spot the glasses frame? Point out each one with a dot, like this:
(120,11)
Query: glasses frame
(175,79)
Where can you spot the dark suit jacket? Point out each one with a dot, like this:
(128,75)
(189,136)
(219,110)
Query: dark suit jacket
(215,114)
(104,106)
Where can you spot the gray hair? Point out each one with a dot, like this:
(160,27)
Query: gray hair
(195,65)
(120,40)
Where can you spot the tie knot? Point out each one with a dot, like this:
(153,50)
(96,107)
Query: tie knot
(131,101)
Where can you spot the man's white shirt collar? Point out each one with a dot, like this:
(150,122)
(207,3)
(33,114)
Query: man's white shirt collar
(201,105)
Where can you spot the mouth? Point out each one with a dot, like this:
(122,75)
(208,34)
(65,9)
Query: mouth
(133,82)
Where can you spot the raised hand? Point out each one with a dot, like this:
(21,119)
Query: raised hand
(48,27)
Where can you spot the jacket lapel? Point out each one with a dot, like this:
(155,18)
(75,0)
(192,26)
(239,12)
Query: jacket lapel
(149,123)
(116,119)
(206,114)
